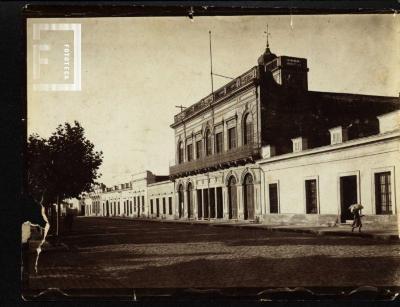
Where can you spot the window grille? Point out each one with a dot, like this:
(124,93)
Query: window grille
(383,193)
(311,196)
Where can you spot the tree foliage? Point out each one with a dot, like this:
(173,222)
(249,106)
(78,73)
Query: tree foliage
(62,166)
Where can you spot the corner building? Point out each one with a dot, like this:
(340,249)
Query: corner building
(266,112)
(264,148)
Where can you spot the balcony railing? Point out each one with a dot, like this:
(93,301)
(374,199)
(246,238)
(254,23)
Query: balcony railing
(225,159)
(219,94)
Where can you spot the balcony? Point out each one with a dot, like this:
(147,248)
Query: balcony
(234,157)
(218,95)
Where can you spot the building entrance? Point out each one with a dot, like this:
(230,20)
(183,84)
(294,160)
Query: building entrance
(220,209)
(206,204)
(199,204)
(190,200)
(232,199)
(212,203)
(348,196)
(180,201)
(248,195)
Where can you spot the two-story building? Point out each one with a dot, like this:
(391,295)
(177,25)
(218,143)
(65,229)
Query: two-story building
(265,148)
(269,108)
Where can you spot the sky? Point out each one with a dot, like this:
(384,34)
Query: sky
(134,71)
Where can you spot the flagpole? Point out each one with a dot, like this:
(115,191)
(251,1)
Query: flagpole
(211,66)
(212,114)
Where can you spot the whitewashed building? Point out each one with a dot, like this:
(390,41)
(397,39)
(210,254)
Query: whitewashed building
(318,185)
(161,200)
(264,148)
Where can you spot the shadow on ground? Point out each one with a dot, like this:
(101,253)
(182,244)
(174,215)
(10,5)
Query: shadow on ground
(105,253)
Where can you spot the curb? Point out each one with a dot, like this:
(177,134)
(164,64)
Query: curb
(385,237)
(319,232)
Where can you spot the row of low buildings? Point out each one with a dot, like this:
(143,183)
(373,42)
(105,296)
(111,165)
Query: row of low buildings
(264,148)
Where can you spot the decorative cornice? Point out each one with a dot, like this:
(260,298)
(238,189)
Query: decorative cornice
(336,147)
(236,85)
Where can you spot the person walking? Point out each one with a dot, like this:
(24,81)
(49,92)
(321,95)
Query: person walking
(355,209)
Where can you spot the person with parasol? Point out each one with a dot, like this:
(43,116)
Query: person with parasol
(355,209)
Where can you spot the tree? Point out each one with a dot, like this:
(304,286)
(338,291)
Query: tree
(63,166)
(39,172)
(74,161)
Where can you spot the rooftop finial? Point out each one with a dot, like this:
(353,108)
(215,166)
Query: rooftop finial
(267,34)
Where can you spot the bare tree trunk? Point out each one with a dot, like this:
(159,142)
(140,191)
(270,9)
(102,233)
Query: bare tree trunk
(58,217)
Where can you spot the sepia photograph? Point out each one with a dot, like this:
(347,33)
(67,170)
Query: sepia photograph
(212,156)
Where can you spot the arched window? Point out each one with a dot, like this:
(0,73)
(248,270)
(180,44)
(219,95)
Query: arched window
(247,130)
(208,143)
(180,152)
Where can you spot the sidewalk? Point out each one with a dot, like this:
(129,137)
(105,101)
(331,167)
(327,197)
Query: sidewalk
(341,230)
(387,233)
